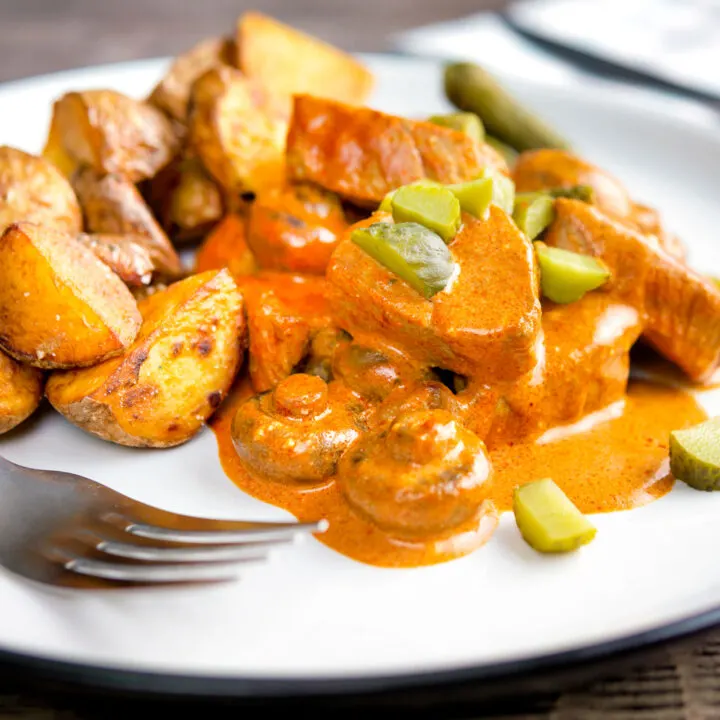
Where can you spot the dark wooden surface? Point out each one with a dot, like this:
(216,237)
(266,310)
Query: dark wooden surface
(40,36)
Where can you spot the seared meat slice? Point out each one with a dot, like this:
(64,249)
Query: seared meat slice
(545,169)
(680,308)
(487,321)
(283,313)
(362,154)
(584,366)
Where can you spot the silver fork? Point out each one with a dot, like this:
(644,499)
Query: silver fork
(64,529)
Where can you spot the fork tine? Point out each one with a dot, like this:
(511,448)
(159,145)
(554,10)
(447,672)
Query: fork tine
(121,572)
(207,553)
(253,533)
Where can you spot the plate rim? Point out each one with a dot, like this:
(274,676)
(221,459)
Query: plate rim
(180,685)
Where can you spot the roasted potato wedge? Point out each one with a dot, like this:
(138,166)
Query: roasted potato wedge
(125,255)
(112,133)
(161,391)
(21,389)
(186,200)
(172,93)
(32,189)
(226,246)
(237,127)
(292,62)
(60,306)
(112,205)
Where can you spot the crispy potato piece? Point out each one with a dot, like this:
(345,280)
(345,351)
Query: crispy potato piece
(186,200)
(32,190)
(292,62)
(172,93)
(362,154)
(226,247)
(112,205)
(21,390)
(60,306)
(160,392)
(295,228)
(237,127)
(113,133)
(125,255)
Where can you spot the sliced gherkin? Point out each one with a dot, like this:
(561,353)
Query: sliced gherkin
(414,253)
(433,206)
(386,203)
(533,212)
(466,122)
(695,455)
(566,276)
(548,520)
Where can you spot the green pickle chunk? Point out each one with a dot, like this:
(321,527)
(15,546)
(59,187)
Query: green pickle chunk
(475,196)
(695,455)
(584,193)
(411,251)
(466,122)
(533,212)
(548,520)
(566,276)
(433,206)
(386,203)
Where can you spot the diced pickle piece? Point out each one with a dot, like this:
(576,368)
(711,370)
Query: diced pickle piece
(533,212)
(433,206)
(466,122)
(475,196)
(386,204)
(503,189)
(584,193)
(547,519)
(566,276)
(510,154)
(695,455)
(411,251)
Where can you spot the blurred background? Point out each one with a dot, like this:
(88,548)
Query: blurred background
(671,44)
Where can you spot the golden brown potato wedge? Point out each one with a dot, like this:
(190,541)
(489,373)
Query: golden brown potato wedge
(237,127)
(172,93)
(186,200)
(32,189)
(21,389)
(292,62)
(112,205)
(60,306)
(125,255)
(161,391)
(226,246)
(112,133)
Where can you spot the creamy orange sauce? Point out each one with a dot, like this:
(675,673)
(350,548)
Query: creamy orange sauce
(620,462)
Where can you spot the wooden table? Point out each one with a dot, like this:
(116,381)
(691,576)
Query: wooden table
(41,36)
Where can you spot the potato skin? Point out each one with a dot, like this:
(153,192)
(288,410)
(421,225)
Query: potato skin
(112,133)
(161,391)
(32,189)
(237,128)
(172,93)
(125,255)
(112,205)
(60,306)
(21,390)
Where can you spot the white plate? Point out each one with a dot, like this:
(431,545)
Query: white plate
(313,616)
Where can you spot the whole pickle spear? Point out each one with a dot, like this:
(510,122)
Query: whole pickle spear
(411,251)
(472,89)
(695,455)
(548,520)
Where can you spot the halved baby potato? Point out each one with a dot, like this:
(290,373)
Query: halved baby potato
(237,127)
(32,189)
(111,133)
(60,306)
(160,392)
(21,389)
